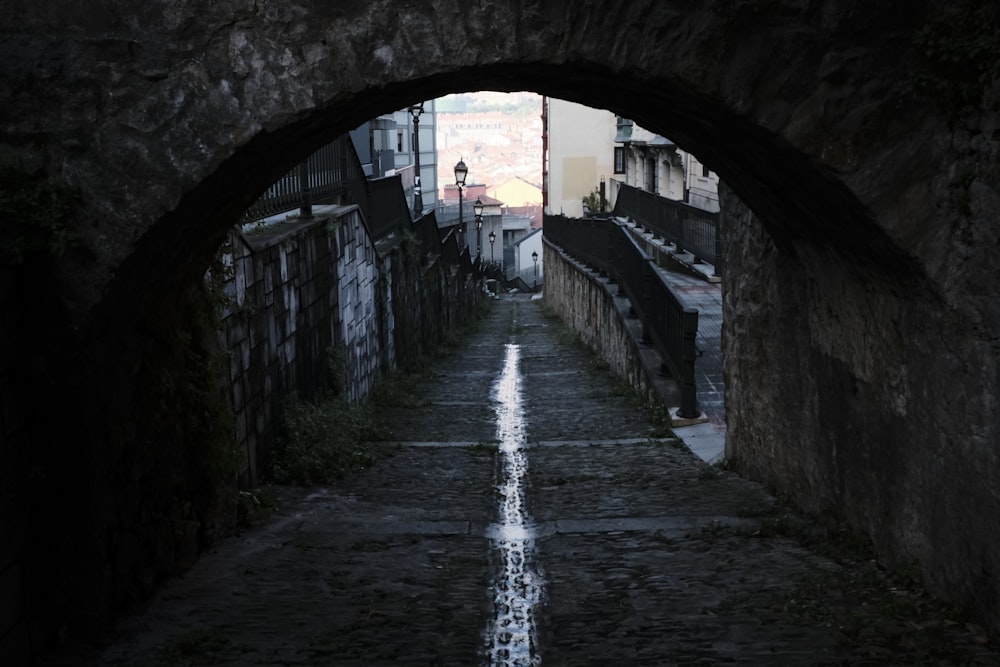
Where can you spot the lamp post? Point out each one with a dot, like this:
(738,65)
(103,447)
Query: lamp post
(461,171)
(478,209)
(493,237)
(418,198)
(534,258)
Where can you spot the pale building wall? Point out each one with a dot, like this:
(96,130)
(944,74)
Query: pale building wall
(580,153)
(516,192)
(403,138)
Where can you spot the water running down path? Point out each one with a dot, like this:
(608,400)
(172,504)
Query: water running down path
(649,555)
(512,636)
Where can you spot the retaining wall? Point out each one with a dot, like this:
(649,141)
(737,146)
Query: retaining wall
(590,305)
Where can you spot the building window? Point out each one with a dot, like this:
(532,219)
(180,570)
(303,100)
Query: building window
(399,141)
(704,171)
(619,159)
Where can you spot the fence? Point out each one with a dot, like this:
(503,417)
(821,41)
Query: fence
(324,177)
(604,245)
(689,228)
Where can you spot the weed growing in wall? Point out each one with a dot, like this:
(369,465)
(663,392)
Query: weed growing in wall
(322,440)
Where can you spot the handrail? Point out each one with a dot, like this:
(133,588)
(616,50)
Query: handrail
(323,177)
(687,227)
(667,323)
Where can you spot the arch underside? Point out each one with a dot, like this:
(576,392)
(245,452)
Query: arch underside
(846,317)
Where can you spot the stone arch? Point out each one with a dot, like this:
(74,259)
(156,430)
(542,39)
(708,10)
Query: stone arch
(168,118)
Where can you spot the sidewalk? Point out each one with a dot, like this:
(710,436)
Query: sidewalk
(641,553)
(702,291)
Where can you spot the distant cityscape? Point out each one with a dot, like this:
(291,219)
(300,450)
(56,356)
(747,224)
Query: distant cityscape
(499,136)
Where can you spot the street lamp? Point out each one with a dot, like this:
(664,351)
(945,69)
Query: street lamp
(534,258)
(418,198)
(493,237)
(478,209)
(461,171)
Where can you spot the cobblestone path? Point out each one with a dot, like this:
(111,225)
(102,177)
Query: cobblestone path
(644,554)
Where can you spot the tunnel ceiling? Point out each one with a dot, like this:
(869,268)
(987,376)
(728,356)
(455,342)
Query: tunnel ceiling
(187,111)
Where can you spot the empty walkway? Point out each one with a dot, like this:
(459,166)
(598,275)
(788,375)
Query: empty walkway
(534,516)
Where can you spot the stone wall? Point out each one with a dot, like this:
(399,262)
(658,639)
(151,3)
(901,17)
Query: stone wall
(591,306)
(316,305)
(866,399)
(311,305)
(303,304)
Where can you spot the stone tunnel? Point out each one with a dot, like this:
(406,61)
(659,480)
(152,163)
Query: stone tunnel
(858,142)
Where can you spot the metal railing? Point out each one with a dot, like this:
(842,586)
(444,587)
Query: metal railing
(322,178)
(667,323)
(334,173)
(687,227)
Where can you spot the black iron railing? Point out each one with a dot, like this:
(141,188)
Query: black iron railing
(667,323)
(687,227)
(334,174)
(324,177)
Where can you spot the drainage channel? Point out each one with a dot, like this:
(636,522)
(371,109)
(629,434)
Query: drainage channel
(512,638)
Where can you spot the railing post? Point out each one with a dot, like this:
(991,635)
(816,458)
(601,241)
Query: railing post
(618,257)
(689,398)
(305,209)
(678,217)
(647,300)
(717,260)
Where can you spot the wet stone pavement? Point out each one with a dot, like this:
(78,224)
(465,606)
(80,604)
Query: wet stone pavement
(533,515)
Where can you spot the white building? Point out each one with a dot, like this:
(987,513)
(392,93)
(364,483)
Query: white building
(578,143)
(587,148)
(655,164)
(527,260)
(390,144)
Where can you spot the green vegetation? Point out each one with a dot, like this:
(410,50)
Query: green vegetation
(253,507)
(324,439)
(592,202)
